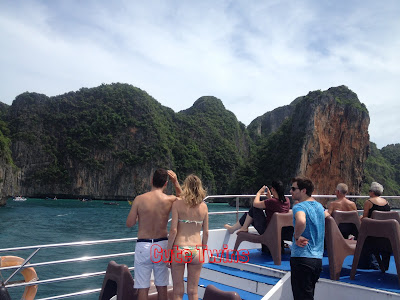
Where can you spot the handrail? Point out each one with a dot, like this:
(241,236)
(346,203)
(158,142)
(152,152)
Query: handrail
(80,259)
(21,266)
(81,293)
(315,196)
(59,279)
(95,242)
(83,243)
(99,242)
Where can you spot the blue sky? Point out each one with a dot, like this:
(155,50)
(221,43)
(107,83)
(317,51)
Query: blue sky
(253,55)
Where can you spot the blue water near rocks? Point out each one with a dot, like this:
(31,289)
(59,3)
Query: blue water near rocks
(43,222)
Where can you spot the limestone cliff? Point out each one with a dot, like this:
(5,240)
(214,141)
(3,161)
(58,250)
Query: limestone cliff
(323,135)
(9,174)
(106,142)
(338,146)
(9,178)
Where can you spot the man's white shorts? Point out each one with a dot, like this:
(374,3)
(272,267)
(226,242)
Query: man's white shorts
(148,258)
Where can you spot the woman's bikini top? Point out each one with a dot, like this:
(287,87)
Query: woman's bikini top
(191,222)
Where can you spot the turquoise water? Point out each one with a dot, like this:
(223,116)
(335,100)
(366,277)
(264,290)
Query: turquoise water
(42,222)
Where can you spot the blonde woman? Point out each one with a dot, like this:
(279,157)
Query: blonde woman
(189,217)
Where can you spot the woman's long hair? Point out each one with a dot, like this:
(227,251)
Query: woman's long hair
(278,186)
(192,190)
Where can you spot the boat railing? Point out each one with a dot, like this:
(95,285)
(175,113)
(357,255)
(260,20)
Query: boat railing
(82,259)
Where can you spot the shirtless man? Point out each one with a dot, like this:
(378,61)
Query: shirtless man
(152,210)
(342,203)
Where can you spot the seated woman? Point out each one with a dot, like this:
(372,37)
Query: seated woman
(375,202)
(275,202)
(379,247)
(189,217)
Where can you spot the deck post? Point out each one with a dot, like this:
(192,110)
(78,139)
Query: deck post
(237,209)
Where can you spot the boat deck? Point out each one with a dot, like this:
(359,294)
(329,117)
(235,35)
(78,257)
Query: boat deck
(369,278)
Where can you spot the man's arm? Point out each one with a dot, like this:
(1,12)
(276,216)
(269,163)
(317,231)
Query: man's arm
(175,182)
(331,207)
(174,228)
(133,214)
(299,228)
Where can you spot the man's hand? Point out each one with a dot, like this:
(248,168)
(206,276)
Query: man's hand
(172,175)
(301,241)
(175,182)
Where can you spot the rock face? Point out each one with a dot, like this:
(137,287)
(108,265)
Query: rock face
(106,142)
(338,146)
(331,128)
(9,179)
(9,173)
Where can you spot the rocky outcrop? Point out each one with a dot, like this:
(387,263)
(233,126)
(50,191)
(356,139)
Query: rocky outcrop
(9,180)
(270,122)
(323,136)
(9,173)
(105,142)
(337,145)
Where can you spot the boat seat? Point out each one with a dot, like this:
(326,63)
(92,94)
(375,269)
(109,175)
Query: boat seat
(272,237)
(389,229)
(212,293)
(385,215)
(338,247)
(118,281)
(347,217)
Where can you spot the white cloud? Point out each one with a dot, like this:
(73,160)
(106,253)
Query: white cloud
(253,55)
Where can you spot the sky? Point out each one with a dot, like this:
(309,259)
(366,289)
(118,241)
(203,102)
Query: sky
(254,55)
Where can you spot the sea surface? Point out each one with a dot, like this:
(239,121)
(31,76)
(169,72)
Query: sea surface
(43,222)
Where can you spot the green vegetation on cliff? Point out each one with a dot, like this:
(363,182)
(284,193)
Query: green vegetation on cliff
(5,142)
(217,142)
(346,97)
(272,158)
(111,137)
(123,126)
(383,166)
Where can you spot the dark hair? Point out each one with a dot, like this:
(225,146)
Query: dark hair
(278,186)
(304,183)
(160,177)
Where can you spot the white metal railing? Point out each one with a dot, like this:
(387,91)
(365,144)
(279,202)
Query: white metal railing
(36,248)
(66,278)
(102,242)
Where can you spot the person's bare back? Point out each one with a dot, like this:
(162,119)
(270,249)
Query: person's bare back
(342,204)
(153,210)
